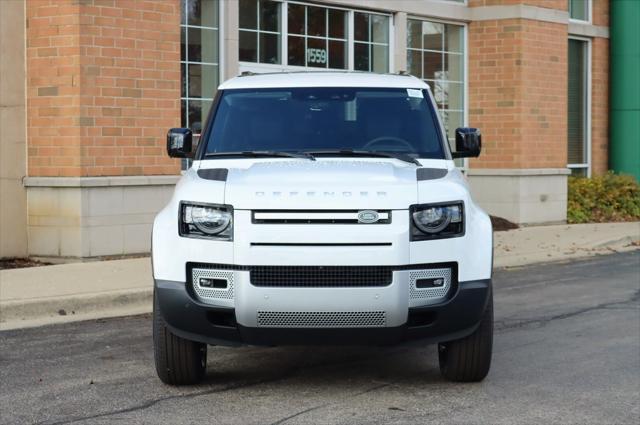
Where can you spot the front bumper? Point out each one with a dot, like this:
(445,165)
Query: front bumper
(452,319)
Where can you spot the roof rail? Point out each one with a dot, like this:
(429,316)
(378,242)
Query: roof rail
(247,73)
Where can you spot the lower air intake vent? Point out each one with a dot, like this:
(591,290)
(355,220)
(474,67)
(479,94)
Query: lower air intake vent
(322,319)
(428,286)
(321,276)
(207,284)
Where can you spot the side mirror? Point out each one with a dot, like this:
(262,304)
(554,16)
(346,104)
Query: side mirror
(179,143)
(468,142)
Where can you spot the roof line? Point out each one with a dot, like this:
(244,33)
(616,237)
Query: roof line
(339,71)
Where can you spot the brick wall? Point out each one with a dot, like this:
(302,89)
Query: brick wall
(600,13)
(544,138)
(53,77)
(600,92)
(600,106)
(524,63)
(103,79)
(549,4)
(494,90)
(517,92)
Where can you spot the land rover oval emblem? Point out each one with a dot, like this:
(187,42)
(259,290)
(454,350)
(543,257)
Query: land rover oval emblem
(367,217)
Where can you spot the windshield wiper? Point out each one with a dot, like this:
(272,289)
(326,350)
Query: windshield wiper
(259,154)
(376,154)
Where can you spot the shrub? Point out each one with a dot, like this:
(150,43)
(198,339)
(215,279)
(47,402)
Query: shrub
(610,197)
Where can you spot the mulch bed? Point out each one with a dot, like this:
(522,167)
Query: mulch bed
(19,263)
(501,224)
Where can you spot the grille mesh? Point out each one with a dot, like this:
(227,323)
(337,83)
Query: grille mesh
(430,294)
(321,276)
(205,294)
(317,319)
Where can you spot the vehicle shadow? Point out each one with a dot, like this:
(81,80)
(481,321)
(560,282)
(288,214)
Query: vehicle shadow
(322,365)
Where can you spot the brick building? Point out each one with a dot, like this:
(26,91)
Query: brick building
(90,87)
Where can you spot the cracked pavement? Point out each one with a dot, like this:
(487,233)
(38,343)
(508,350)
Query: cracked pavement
(567,350)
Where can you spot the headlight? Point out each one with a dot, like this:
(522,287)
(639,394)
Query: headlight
(437,221)
(206,221)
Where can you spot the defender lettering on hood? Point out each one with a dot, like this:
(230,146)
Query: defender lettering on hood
(350,184)
(331,194)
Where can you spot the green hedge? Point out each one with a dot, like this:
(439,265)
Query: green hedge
(610,197)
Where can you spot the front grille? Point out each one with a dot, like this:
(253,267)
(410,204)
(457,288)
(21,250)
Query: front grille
(321,276)
(322,319)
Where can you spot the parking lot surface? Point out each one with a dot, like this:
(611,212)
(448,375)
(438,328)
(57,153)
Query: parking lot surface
(567,350)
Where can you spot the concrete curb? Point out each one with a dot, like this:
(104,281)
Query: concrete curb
(36,312)
(627,240)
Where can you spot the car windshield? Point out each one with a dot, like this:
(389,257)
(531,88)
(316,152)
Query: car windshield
(325,120)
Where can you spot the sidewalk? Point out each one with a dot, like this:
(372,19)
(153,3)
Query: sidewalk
(539,244)
(80,291)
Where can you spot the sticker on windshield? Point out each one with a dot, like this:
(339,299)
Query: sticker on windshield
(415,93)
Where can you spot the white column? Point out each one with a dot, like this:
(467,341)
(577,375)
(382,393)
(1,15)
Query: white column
(230,36)
(400,42)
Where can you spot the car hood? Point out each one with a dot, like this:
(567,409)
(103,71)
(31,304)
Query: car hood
(321,184)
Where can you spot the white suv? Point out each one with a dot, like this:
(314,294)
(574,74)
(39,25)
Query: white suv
(322,208)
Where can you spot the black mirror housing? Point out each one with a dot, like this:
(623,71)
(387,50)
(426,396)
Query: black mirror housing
(179,143)
(468,143)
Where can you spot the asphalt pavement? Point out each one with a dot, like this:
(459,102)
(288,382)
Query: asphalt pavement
(567,350)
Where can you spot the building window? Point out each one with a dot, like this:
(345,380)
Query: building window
(199,60)
(314,37)
(317,37)
(259,31)
(580,10)
(435,53)
(578,107)
(371,42)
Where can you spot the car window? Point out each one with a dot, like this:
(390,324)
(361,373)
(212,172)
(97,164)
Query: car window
(311,119)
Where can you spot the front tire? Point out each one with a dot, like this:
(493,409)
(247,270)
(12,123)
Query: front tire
(178,360)
(469,359)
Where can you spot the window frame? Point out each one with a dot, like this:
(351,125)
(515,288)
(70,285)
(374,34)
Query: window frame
(306,36)
(185,163)
(220,62)
(464,166)
(589,19)
(284,32)
(370,43)
(587,139)
(258,31)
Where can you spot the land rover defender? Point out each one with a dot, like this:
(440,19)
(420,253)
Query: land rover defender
(322,208)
